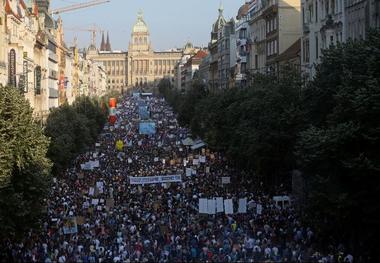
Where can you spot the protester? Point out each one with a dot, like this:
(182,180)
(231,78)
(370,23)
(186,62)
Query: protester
(96,215)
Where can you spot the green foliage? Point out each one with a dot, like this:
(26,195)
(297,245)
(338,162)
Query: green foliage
(330,130)
(73,128)
(24,168)
(339,152)
(256,127)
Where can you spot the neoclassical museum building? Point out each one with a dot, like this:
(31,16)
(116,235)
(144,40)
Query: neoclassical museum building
(140,65)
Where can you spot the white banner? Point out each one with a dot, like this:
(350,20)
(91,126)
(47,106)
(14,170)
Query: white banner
(211,207)
(90,165)
(202,206)
(156,179)
(242,206)
(226,180)
(219,205)
(228,207)
(189,171)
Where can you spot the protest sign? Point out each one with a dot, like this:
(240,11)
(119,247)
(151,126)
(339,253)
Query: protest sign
(70,225)
(202,206)
(219,205)
(155,179)
(211,206)
(242,206)
(189,172)
(228,207)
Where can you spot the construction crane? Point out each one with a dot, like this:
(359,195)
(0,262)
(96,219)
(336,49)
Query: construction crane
(78,6)
(95,29)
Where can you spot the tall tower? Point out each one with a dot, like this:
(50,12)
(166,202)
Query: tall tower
(103,44)
(140,35)
(108,44)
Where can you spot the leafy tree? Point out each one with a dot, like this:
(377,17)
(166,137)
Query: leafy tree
(339,152)
(256,126)
(24,168)
(73,128)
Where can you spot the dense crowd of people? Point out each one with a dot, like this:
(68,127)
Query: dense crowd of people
(96,215)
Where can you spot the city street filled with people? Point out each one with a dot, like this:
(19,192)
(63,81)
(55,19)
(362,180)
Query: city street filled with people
(148,191)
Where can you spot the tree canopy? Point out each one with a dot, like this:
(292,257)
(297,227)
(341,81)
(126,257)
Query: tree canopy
(73,128)
(24,167)
(328,128)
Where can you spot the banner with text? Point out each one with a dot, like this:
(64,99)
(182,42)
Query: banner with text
(156,179)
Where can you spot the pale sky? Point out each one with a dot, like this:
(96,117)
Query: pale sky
(171,22)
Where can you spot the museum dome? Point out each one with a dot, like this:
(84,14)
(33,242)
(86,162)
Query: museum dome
(140,26)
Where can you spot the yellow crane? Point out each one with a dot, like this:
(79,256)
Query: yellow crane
(78,6)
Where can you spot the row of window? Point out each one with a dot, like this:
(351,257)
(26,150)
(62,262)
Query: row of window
(322,7)
(116,81)
(271,24)
(325,43)
(116,72)
(156,62)
(141,41)
(271,47)
(118,63)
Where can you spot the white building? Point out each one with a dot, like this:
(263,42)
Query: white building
(322,25)
(257,25)
(242,33)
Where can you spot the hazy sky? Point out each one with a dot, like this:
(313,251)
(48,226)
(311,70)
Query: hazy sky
(171,22)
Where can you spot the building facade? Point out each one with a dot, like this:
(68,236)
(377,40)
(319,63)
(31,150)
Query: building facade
(115,66)
(145,66)
(257,31)
(3,54)
(141,65)
(25,49)
(322,26)
(243,46)
(328,22)
(188,51)
(214,49)
(274,33)
(191,67)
